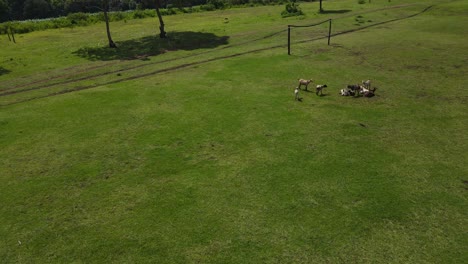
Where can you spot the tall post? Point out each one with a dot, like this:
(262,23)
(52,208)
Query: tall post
(289,40)
(329,31)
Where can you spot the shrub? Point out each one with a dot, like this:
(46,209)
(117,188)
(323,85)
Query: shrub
(218,4)
(167,12)
(116,16)
(138,14)
(207,7)
(77,16)
(292,9)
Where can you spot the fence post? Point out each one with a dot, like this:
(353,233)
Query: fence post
(289,40)
(329,31)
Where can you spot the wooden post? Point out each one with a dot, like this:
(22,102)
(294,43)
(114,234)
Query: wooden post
(329,31)
(289,40)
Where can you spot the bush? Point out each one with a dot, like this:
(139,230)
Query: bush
(207,7)
(78,18)
(292,9)
(144,13)
(116,16)
(168,12)
(218,4)
(138,14)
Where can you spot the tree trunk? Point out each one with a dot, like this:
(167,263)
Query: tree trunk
(106,17)
(321,9)
(8,33)
(162,33)
(12,32)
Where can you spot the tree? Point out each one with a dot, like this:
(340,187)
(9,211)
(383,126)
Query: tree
(162,33)
(105,10)
(321,9)
(4,10)
(36,9)
(16,9)
(75,6)
(57,7)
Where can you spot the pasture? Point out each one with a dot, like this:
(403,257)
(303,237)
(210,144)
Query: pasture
(193,149)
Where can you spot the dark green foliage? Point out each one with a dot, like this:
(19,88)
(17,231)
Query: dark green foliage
(78,19)
(33,9)
(139,14)
(292,9)
(36,9)
(4,10)
(84,18)
(218,4)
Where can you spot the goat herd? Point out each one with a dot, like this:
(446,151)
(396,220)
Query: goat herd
(363,89)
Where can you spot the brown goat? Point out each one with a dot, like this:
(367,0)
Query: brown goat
(304,82)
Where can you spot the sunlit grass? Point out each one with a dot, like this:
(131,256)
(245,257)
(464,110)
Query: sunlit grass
(213,161)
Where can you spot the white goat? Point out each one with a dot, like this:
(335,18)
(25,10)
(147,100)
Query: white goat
(363,90)
(347,92)
(320,88)
(296,94)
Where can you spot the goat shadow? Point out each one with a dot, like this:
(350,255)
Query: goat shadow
(323,95)
(4,71)
(147,46)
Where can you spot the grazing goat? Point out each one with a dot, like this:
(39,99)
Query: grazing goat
(367,84)
(320,88)
(296,94)
(304,82)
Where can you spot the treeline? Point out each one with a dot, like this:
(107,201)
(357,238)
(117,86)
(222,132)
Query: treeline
(84,19)
(11,10)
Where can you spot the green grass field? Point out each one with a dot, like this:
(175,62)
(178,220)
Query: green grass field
(193,149)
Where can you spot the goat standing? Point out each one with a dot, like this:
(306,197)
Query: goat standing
(320,88)
(304,82)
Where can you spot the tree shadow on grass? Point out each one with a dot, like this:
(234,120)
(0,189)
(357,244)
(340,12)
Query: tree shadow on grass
(4,71)
(153,45)
(335,11)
